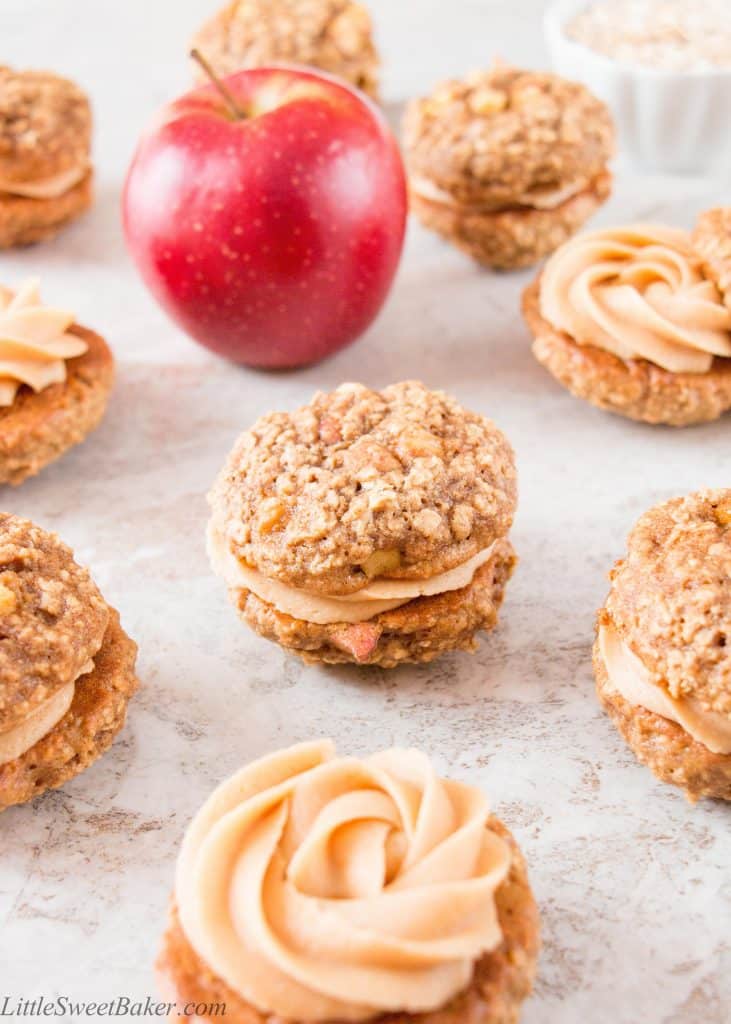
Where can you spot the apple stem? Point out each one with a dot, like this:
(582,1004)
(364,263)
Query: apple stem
(231,103)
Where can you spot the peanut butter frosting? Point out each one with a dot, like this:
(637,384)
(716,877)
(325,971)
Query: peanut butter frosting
(632,680)
(16,741)
(321,887)
(381,595)
(52,187)
(638,292)
(35,342)
(543,198)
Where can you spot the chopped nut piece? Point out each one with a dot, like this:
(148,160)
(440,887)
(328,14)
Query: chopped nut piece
(462,519)
(369,454)
(414,442)
(380,498)
(723,515)
(488,101)
(271,511)
(7,600)
(428,522)
(381,562)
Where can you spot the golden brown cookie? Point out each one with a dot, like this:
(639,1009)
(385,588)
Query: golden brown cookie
(514,237)
(416,632)
(342,839)
(374,497)
(45,142)
(634,388)
(333,35)
(507,163)
(66,665)
(670,608)
(39,427)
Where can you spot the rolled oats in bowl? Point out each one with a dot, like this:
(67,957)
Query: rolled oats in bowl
(672,35)
(664,69)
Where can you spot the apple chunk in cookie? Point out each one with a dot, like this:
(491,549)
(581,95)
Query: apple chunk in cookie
(55,381)
(507,164)
(333,35)
(367,527)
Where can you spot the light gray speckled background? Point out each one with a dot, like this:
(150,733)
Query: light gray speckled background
(633,883)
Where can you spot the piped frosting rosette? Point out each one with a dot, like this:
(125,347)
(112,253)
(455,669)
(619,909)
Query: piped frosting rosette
(322,887)
(35,342)
(638,292)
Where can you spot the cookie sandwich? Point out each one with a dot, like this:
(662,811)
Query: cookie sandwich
(333,35)
(45,163)
(67,668)
(314,887)
(637,320)
(662,656)
(55,380)
(508,164)
(368,526)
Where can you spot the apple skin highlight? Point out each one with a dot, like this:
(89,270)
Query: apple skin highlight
(272,239)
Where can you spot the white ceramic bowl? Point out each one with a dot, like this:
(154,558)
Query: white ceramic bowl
(674,122)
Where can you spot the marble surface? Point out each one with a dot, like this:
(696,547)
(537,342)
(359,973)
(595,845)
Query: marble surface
(633,883)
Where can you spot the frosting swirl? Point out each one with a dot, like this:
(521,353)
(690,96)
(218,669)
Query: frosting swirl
(321,887)
(35,341)
(639,293)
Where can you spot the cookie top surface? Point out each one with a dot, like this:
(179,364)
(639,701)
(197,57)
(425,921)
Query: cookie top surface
(712,243)
(402,483)
(335,35)
(501,134)
(45,125)
(52,618)
(671,596)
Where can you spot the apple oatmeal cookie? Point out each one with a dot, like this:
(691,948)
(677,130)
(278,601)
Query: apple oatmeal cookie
(45,163)
(332,35)
(367,526)
(661,657)
(508,164)
(67,668)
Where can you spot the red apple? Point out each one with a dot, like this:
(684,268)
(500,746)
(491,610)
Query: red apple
(271,236)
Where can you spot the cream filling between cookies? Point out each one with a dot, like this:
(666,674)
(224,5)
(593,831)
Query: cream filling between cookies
(325,888)
(35,342)
(16,741)
(536,199)
(631,679)
(380,596)
(638,292)
(53,187)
